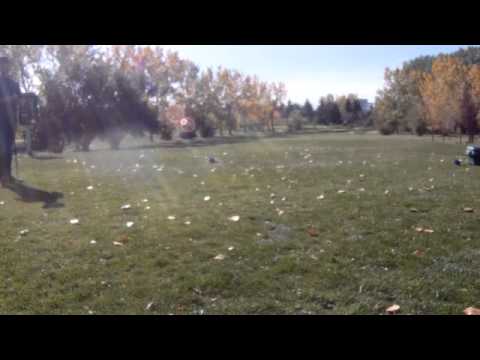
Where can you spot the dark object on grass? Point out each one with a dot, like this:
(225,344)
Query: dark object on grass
(212,160)
(30,194)
(473,153)
(457,162)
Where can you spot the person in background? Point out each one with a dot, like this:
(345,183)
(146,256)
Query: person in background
(9,98)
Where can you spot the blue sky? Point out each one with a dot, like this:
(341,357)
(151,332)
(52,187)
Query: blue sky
(312,71)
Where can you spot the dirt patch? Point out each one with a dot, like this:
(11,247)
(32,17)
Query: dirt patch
(277,232)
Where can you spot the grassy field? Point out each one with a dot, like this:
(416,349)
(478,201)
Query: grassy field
(354,250)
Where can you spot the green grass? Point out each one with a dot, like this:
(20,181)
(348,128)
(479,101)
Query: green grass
(362,261)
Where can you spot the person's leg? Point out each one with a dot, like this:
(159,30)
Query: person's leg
(3,152)
(8,165)
(29,141)
(7,154)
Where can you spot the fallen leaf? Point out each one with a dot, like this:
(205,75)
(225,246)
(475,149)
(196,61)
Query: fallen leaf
(2,202)
(321,197)
(428,231)
(231,248)
(414,210)
(206,198)
(419,229)
(418,253)
(150,306)
(74,221)
(312,231)
(187,222)
(24,232)
(471,311)
(129,224)
(145,200)
(234,218)
(392,310)
(126,207)
(90,188)
(123,239)
(219,257)
(171,217)
(93,242)
(341,191)
(116,243)
(147,208)
(468,210)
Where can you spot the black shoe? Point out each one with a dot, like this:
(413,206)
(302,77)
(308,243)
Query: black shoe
(7,180)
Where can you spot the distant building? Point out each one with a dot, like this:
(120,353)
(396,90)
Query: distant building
(366,105)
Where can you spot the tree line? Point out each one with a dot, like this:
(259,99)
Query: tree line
(341,110)
(432,94)
(107,92)
(90,92)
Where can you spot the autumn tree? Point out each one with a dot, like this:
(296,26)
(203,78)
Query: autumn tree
(443,93)
(399,105)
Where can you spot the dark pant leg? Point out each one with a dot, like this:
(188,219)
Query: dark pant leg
(7,139)
(9,157)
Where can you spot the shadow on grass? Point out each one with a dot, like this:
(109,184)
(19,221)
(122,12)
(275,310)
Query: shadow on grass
(224,140)
(182,144)
(221,140)
(31,195)
(46,157)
